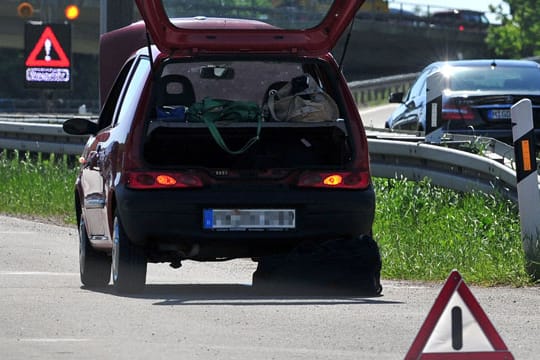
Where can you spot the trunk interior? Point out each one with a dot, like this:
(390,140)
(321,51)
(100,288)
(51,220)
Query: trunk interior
(280,145)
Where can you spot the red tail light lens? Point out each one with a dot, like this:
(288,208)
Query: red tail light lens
(457,112)
(335,180)
(158,180)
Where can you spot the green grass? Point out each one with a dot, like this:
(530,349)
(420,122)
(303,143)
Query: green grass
(37,186)
(423,231)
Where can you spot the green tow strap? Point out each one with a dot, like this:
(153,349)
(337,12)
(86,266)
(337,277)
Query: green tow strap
(211,111)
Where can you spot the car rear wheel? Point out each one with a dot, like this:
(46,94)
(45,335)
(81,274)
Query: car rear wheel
(351,265)
(95,266)
(128,261)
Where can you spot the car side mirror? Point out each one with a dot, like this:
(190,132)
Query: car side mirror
(396,97)
(79,126)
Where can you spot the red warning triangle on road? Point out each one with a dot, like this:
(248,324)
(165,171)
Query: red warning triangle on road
(457,328)
(46,44)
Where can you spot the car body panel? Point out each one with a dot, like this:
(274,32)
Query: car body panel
(220,35)
(320,215)
(103,159)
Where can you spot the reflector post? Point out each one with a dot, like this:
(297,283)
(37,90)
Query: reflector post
(525,152)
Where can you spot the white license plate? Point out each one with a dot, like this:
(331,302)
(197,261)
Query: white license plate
(499,114)
(249,219)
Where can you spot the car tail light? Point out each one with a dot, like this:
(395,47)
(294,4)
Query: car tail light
(158,180)
(335,180)
(457,112)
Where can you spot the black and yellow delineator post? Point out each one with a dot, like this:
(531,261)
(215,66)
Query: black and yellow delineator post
(527,183)
(435,84)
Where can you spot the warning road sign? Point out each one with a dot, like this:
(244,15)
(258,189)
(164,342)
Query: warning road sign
(457,328)
(46,46)
(48,49)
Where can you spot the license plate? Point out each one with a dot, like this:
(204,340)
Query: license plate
(249,219)
(499,114)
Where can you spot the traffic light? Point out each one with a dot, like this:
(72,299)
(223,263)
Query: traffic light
(25,10)
(72,12)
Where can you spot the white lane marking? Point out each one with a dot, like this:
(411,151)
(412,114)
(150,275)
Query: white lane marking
(53,340)
(37,273)
(18,232)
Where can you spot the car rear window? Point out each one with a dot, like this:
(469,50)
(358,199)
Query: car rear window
(501,78)
(285,14)
(234,80)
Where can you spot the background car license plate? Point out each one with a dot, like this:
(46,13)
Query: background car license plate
(249,219)
(499,114)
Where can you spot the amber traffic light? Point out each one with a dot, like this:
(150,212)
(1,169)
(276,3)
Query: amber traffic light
(72,12)
(25,10)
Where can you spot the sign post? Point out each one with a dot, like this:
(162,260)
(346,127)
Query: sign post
(435,85)
(527,183)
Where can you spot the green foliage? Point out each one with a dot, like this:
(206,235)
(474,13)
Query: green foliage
(425,232)
(519,33)
(37,186)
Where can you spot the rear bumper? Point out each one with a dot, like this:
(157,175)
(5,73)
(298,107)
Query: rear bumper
(176,217)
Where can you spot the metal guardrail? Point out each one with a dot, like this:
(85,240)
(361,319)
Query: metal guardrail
(39,137)
(411,158)
(446,167)
(376,91)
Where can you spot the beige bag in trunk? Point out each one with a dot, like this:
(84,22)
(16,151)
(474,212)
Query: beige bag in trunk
(301,100)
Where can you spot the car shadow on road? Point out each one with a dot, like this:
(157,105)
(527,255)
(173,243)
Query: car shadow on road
(245,295)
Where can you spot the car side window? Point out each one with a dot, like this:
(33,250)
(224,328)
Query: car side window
(419,86)
(107,112)
(132,91)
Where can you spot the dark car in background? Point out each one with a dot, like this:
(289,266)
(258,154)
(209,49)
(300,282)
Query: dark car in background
(156,184)
(462,20)
(476,98)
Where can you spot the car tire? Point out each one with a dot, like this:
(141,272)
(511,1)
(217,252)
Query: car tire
(128,261)
(95,266)
(371,276)
(352,265)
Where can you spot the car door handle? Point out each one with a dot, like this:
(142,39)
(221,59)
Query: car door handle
(92,160)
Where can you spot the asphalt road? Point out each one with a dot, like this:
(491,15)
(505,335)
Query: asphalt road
(375,117)
(210,311)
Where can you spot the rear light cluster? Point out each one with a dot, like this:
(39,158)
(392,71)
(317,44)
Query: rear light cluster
(160,180)
(335,180)
(457,112)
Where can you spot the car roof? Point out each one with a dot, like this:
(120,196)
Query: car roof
(458,11)
(309,30)
(485,62)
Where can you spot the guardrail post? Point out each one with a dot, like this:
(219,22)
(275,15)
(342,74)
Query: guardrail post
(527,183)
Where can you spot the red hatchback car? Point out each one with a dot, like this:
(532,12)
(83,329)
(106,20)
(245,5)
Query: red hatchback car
(194,157)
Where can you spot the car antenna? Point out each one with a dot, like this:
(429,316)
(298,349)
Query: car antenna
(346,45)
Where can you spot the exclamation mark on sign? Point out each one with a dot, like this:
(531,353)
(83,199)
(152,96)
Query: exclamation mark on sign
(457,328)
(48,45)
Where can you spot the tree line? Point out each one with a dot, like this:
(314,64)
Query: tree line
(518,36)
